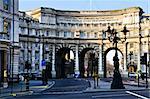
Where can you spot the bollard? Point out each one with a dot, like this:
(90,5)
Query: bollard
(27,83)
(138,80)
(97,81)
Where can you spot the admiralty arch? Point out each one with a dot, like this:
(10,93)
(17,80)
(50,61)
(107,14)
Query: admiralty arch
(66,39)
(70,40)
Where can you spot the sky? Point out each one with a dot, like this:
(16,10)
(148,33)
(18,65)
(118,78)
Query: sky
(111,54)
(84,4)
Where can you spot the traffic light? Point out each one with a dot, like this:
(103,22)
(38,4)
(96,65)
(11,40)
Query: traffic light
(27,65)
(142,76)
(143,59)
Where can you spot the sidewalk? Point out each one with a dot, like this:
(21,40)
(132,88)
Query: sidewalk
(105,84)
(35,86)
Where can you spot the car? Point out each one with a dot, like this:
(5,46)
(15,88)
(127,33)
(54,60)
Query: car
(132,75)
(33,76)
(36,76)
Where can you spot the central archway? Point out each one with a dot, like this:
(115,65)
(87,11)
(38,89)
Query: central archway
(109,63)
(88,65)
(64,63)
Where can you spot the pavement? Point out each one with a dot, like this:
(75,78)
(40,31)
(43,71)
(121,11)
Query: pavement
(19,89)
(104,84)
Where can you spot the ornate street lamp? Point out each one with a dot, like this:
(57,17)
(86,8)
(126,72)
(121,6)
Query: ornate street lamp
(112,36)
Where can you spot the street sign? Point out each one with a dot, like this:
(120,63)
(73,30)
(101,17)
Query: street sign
(43,63)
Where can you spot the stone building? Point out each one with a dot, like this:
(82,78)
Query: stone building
(9,40)
(69,41)
(61,31)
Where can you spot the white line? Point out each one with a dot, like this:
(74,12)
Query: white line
(106,96)
(134,94)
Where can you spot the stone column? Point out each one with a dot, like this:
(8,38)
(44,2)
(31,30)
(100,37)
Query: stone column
(5,84)
(139,55)
(33,58)
(100,63)
(125,71)
(41,52)
(125,57)
(53,62)
(77,72)
(15,64)
(1,24)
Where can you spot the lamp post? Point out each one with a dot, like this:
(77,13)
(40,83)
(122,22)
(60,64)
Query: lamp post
(148,55)
(44,78)
(130,65)
(103,38)
(131,53)
(92,56)
(112,36)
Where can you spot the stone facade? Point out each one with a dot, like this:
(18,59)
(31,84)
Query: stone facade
(46,33)
(79,30)
(9,40)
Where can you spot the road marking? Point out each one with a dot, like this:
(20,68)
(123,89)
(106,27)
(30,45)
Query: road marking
(134,94)
(104,96)
(59,93)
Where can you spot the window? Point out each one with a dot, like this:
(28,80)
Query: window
(95,25)
(22,44)
(88,25)
(95,35)
(112,24)
(57,34)
(88,35)
(131,45)
(47,33)
(65,34)
(6,26)
(6,4)
(30,31)
(22,30)
(82,34)
(72,34)
(6,30)
(104,24)
(36,44)
(65,24)
(36,32)
(36,56)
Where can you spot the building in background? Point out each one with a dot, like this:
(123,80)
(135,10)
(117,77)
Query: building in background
(9,40)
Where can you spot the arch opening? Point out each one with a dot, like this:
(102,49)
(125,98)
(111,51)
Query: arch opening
(64,63)
(88,64)
(109,63)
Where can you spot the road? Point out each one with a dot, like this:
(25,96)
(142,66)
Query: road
(143,94)
(68,85)
(76,89)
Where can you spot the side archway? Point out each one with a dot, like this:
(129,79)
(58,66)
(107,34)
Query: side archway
(111,66)
(64,63)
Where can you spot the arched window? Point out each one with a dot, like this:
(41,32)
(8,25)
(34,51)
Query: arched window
(82,34)
(6,4)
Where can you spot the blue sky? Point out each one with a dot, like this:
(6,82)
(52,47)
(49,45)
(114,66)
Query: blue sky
(84,4)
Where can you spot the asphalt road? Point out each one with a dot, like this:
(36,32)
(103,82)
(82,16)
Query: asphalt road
(75,89)
(68,85)
(143,94)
